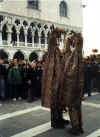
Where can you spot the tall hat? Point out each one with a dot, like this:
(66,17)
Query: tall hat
(57,31)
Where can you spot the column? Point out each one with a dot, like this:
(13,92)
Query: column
(46,37)
(17,38)
(33,39)
(25,37)
(9,38)
(39,40)
(0,38)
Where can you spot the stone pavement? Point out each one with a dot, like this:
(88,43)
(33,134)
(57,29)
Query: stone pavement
(22,119)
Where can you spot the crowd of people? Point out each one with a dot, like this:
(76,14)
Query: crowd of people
(91,75)
(20,80)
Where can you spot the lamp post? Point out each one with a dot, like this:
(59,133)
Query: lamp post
(83,3)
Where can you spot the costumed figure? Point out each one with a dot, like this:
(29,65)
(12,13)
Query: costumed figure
(72,81)
(51,80)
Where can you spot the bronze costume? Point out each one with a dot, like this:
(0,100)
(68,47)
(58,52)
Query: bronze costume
(51,81)
(62,82)
(72,81)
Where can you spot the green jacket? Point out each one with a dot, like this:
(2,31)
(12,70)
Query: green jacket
(14,76)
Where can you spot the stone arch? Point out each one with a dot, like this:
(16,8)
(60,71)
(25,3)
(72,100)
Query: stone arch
(39,25)
(19,55)
(22,35)
(3,54)
(14,35)
(42,37)
(17,22)
(36,36)
(32,24)
(29,35)
(33,56)
(5,32)
(25,23)
(45,27)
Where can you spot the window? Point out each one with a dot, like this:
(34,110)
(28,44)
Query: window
(63,9)
(34,4)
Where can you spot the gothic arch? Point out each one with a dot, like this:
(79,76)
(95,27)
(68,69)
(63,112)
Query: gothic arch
(36,36)
(14,35)
(29,35)
(33,56)
(17,22)
(25,23)
(32,24)
(42,37)
(19,55)
(5,32)
(22,35)
(3,54)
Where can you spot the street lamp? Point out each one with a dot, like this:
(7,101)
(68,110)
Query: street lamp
(83,3)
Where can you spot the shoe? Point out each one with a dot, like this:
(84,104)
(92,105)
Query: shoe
(58,125)
(29,100)
(81,130)
(76,131)
(89,95)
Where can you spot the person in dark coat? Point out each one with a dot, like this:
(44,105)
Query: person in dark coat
(32,81)
(87,77)
(39,77)
(26,73)
(3,74)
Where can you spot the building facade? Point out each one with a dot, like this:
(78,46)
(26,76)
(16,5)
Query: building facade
(25,25)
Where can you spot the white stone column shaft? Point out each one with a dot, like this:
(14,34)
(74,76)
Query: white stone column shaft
(0,37)
(25,40)
(17,38)
(46,37)
(39,40)
(25,36)
(33,39)
(9,39)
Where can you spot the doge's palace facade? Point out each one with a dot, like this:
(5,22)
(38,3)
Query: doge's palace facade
(25,25)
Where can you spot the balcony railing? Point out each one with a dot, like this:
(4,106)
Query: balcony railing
(23,44)
(4,42)
(29,44)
